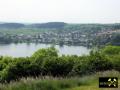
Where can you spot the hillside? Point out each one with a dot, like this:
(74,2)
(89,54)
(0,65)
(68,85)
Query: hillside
(11,25)
(60,25)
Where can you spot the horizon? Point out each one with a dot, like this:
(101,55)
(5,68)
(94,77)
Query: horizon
(3,22)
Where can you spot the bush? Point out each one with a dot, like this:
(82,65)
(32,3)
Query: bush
(57,66)
(116,62)
(42,53)
(17,69)
(6,75)
(39,57)
(111,50)
(99,62)
(47,62)
(81,67)
(2,66)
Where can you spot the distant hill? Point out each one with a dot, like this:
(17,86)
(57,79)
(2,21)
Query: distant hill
(11,25)
(60,26)
(57,25)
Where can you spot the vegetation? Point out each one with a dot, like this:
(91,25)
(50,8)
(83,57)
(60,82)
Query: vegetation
(18,28)
(61,70)
(48,62)
(51,83)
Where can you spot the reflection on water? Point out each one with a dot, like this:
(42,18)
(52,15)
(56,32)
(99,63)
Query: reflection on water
(24,49)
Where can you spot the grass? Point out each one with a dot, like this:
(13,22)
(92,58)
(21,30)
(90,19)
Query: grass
(50,83)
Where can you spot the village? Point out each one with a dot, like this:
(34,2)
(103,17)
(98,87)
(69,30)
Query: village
(69,38)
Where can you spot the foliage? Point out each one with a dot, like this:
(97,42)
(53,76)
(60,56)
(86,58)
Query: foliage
(111,50)
(99,62)
(57,66)
(42,53)
(81,67)
(47,62)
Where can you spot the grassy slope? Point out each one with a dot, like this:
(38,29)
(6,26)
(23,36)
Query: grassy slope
(49,83)
(94,84)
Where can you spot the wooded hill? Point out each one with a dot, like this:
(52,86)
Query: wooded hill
(61,25)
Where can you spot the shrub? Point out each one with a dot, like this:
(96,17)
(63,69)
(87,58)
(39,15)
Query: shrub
(57,66)
(99,62)
(39,57)
(2,66)
(47,62)
(42,53)
(7,60)
(81,67)
(111,50)
(116,62)
(17,69)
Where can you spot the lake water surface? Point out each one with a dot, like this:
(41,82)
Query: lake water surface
(24,49)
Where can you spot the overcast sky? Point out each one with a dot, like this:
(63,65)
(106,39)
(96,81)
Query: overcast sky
(71,11)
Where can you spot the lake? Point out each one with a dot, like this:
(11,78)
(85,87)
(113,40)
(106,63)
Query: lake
(25,49)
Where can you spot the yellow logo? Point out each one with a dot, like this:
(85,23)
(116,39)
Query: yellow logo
(108,82)
(112,82)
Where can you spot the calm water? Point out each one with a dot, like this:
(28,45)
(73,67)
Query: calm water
(24,49)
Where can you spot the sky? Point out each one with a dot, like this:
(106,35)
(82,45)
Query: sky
(70,11)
